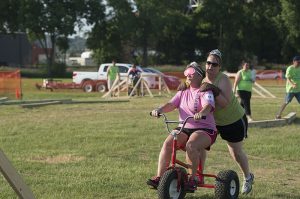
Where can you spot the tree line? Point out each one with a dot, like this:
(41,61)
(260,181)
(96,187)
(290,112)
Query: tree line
(162,31)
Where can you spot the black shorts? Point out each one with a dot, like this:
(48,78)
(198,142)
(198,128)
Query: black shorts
(234,132)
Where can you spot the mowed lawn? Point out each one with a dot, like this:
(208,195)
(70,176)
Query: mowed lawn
(108,150)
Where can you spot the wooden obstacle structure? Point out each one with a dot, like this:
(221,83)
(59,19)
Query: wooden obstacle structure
(261,91)
(2,99)
(14,179)
(161,84)
(288,119)
(116,86)
(124,85)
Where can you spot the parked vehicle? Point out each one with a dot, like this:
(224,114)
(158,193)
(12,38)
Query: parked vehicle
(269,74)
(96,81)
(90,80)
(172,81)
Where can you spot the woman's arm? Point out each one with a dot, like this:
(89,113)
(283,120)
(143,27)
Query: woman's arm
(236,81)
(168,107)
(204,112)
(225,95)
(294,85)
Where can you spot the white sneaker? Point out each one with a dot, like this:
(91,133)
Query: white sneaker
(247,184)
(249,118)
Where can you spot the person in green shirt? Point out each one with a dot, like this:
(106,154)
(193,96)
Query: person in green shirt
(292,84)
(112,75)
(243,87)
(230,116)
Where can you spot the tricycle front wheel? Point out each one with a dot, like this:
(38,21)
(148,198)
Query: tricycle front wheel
(169,187)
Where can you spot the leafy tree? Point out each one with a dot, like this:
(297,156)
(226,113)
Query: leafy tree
(240,29)
(175,33)
(110,38)
(223,20)
(262,37)
(123,31)
(289,23)
(9,16)
(48,20)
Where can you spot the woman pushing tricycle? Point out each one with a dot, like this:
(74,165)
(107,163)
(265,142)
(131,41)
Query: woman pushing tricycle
(195,133)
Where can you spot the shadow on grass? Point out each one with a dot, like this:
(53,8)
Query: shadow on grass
(205,196)
(285,196)
(208,196)
(276,196)
(297,120)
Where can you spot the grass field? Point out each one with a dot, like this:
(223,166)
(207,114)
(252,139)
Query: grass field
(108,151)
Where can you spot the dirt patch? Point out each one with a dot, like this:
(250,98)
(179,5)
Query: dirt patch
(60,159)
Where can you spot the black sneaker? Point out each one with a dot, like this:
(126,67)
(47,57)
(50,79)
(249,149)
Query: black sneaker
(153,182)
(191,186)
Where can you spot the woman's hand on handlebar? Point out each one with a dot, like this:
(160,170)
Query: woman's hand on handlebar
(155,113)
(199,116)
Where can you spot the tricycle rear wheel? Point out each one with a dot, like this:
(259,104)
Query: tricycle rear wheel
(168,184)
(227,185)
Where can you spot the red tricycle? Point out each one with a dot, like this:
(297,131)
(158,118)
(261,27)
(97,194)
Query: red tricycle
(172,183)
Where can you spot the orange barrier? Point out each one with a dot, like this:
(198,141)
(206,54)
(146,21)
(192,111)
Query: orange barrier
(10,84)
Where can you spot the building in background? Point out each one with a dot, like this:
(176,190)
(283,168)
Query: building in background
(85,59)
(15,50)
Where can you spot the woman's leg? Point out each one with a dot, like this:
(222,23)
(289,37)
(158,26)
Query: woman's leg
(195,147)
(243,96)
(166,152)
(240,157)
(247,103)
(165,157)
(237,153)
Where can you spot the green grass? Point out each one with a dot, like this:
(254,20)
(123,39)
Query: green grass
(109,150)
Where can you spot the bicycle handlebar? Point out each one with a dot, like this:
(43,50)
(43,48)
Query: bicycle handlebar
(167,122)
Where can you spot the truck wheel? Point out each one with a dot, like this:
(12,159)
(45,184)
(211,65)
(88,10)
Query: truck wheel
(100,88)
(87,86)
(227,185)
(167,187)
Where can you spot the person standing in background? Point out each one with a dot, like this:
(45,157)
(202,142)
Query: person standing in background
(292,84)
(134,75)
(112,75)
(243,87)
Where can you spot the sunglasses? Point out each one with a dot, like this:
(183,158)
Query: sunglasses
(190,71)
(212,63)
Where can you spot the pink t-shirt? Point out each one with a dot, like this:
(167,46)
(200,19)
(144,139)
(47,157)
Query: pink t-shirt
(191,101)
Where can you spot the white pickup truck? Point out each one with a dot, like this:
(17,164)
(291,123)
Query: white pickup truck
(97,81)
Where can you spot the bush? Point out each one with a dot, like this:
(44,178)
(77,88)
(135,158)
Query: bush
(58,70)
